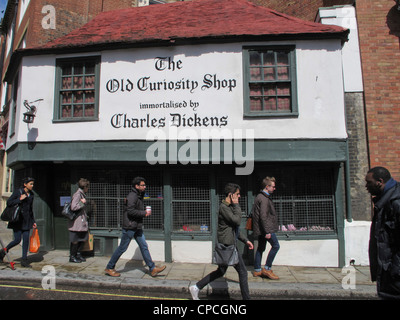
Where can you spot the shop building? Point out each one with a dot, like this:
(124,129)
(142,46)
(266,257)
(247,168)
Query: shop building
(223,91)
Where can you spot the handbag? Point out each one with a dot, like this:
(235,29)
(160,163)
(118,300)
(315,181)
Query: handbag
(67,212)
(224,255)
(11,213)
(88,244)
(249,221)
(249,224)
(34,241)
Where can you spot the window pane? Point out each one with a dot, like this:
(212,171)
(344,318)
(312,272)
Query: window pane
(255,58)
(89,96)
(89,68)
(282,58)
(269,58)
(66,70)
(283,103)
(283,73)
(66,98)
(66,112)
(269,74)
(270,104)
(78,97)
(89,110)
(78,82)
(255,104)
(255,90)
(89,82)
(78,69)
(66,83)
(283,89)
(78,111)
(269,90)
(255,74)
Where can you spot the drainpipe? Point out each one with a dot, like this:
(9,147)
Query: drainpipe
(349,216)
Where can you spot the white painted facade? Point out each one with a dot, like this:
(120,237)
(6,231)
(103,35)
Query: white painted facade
(319,90)
(320,94)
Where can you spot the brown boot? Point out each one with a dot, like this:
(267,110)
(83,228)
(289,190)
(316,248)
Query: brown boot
(112,272)
(257,273)
(269,274)
(157,270)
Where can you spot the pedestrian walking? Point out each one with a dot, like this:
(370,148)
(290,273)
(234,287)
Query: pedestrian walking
(229,219)
(23,197)
(132,228)
(384,242)
(265,226)
(79,227)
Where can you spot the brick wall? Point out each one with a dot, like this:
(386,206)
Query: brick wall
(379,31)
(70,15)
(306,10)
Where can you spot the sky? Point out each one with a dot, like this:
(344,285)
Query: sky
(3,5)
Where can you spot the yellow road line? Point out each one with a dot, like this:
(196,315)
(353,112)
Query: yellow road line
(88,292)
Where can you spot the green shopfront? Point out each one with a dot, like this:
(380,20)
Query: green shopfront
(310,197)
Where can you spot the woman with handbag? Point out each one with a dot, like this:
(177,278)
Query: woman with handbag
(21,227)
(229,219)
(79,227)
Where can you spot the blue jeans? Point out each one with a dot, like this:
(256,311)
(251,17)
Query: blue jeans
(127,236)
(262,243)
(18,235)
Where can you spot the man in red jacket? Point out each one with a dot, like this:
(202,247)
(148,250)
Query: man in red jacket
(265,225)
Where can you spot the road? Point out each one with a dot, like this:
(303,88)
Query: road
(33,291)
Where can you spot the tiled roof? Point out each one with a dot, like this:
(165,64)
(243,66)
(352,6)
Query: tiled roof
(191,21)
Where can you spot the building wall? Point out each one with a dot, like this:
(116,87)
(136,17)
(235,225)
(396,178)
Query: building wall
(379,32)
(320,94)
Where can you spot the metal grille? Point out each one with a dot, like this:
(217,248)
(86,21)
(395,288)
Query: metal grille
(106,198)
(306,214)
(304,199)
(191,205)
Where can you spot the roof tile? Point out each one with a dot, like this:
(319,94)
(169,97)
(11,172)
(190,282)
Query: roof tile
(190,20)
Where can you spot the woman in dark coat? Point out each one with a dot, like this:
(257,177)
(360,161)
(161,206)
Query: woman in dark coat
(22,227)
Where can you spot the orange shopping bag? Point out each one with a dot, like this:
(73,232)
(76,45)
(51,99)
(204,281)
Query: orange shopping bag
(34,241)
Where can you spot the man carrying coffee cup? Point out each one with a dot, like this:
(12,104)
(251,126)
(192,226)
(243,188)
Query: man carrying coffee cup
(132,228)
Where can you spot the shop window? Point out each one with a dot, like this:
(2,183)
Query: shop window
(304,200)
(191,202)
(77,89)
(270,81)
(108,190)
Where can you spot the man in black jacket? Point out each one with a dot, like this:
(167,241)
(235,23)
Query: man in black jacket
(384,243)
(132,228)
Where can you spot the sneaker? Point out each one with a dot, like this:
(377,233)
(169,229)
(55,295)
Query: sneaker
(157,270)
(112,272)
(194,291)
(269,274)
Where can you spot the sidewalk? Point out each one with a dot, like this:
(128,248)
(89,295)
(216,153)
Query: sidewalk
(295,282)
